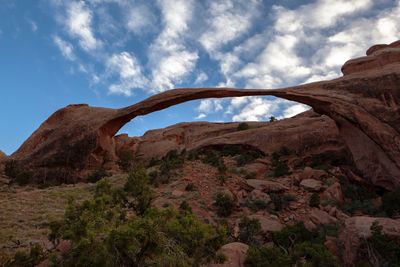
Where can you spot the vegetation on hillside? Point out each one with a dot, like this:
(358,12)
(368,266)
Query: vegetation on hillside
(292,246)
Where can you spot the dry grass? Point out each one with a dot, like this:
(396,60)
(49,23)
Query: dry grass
(25,212)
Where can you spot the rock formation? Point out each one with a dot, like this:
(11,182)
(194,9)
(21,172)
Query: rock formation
(303,135)
(364,104)
(3,156)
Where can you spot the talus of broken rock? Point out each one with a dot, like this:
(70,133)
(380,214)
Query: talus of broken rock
(364,103)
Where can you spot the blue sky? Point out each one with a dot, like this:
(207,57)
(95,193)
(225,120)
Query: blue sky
(113,53)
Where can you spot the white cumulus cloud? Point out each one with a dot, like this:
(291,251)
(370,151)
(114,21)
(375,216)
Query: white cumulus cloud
(79,25)
(127,68)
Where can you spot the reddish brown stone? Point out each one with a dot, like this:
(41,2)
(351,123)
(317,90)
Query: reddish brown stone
(364,105)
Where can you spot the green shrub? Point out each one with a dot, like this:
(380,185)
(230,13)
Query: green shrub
(279,167)
(126,160)
(224,203)
(221,178)
(97,175)
(171,161)
(281,201)
(293,246)
(358,198)
(250,175)
(380,249)
(220,258)
(267,257)
(249,229)
(12,169)
(272,119)
(138,187)
(167,164)
(190,187)
(18,175)
(315,255)
(24,177)
(256,204)
(291,235)
(391,203)
(248,156)
(27,259)
(314,200)
(243,126)
(106,229)
(184,206)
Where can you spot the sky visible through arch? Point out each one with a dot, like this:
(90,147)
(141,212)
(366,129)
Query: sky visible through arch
(113,53)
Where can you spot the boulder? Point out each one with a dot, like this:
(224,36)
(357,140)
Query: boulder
(235,254)
(266,186)
(310,173)
(311,185)
(320,217)
(358,228)
(333,192)
(257,194)
(268,224)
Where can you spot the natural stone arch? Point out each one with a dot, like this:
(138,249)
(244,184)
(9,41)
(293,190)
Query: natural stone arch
(363,103)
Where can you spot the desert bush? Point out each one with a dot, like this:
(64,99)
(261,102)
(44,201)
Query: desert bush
(243,126)
(24,177)
(281,201)
(167,164)
(171,160)
(138,187)
(12,169)
(27,259)
(249,229)
(243,154)
(379,249)
(279,167)
(106,229)
(17,174)
(326,160)
(256,204)
(272,119)
(291,235)
(224,203)
(126,160)
(184,206)
(314,200)
(221,178)
(313,255)
(190,187)
(97,175)
(391,203)
(293,246)
(358,198)
(267,257)
(220,258)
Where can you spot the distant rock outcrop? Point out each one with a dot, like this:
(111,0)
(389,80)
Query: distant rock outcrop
(364,104)
(302,134)
(3,156)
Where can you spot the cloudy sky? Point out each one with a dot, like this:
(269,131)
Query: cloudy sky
(113,53)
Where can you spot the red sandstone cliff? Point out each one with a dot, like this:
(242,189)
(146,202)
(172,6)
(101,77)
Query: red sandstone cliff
(364,104)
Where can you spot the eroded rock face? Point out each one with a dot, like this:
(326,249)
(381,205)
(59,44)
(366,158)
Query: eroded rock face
(364,105)
(3,156)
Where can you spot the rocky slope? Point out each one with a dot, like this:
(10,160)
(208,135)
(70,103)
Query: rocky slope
(364,105)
